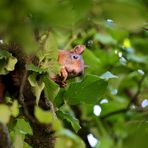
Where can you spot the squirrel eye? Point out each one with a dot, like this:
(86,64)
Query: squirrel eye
(75,56)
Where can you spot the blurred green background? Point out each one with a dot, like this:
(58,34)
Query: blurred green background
(112,114)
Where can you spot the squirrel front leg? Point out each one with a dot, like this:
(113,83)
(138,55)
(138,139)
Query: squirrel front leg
(61,78)
(63,73)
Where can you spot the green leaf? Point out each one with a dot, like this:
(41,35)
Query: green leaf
(74,122)
(37,69)
(50,44)
(43,116)
(51,89)
(32,79)
(38,90)
(57,125)
(23,127)
(108,75)
(91,60)
(5,113)
(114,105)
(19,140)
(59,99)
(11,63)
(67,138)
(90,90)
(49,47)
(48,56)
(4,54)
(14,108)
(37,86)
(26,145)
(105,39)
(7,62)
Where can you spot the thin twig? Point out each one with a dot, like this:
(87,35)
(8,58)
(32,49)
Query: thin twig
(145,28)
(52,109)
(114,113)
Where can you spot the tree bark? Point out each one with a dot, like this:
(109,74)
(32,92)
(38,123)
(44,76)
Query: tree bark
(5,141)
(16,83)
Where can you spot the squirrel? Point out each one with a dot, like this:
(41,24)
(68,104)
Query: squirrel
(18,87)
(72,64)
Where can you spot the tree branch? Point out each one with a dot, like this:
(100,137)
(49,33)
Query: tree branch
(134,99)
(114,113)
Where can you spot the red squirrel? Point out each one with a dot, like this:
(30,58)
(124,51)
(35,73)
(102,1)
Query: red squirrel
(72,64)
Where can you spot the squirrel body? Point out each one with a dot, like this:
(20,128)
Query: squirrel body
(72,64)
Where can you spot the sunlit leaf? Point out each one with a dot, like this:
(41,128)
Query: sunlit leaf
(37,86)
(42,115)
(38,90)
(4,113)
(11,63)
(19,140)
(7,62)
(108,75)
(68,139)
(32,79)
(34,68)
(57,125)
(14,108)
(26,145)
(23,127)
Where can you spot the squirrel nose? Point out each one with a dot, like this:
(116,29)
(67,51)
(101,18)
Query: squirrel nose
(81,73)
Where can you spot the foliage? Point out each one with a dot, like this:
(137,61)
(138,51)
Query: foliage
(115,82)
(7,62)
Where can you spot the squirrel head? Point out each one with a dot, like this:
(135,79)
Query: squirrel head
(72,61)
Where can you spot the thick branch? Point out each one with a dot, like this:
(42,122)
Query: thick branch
(5,141)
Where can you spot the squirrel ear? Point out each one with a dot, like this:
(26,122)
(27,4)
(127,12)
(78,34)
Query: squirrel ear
(79,49)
